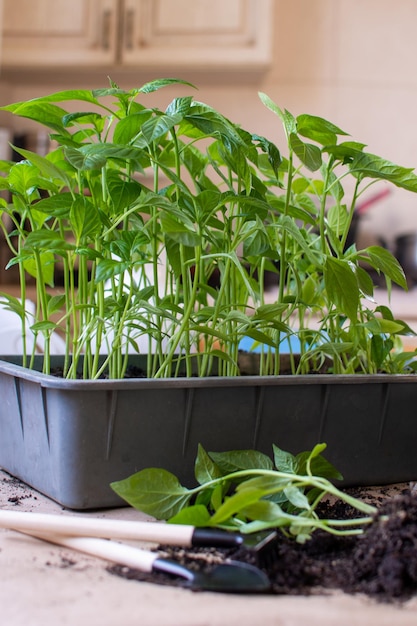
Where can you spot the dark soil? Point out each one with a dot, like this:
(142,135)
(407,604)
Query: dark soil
(22,492)
(381,563)
(132,371)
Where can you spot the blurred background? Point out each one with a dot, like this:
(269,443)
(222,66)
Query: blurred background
(350,61)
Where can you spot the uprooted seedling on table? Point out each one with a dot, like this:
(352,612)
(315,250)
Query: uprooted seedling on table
(246,490)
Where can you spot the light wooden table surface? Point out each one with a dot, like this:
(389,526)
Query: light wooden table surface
(45,585)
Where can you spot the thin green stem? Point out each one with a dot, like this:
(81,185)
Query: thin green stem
(166,364)
(300,481)
(350,214)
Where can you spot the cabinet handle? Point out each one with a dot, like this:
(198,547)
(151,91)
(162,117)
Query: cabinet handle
(129,28)
(105,30)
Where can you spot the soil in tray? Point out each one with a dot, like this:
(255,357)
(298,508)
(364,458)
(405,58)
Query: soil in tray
(381,563)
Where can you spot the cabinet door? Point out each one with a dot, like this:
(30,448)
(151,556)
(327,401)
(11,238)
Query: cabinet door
(203,34)
(58,33)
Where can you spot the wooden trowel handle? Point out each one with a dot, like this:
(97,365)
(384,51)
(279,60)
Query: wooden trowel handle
(73,525)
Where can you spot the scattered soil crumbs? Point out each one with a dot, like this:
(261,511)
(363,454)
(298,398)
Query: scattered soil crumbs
(20,490)
(381,563)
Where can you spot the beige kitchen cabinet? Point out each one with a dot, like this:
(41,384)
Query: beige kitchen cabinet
(197,33)
(204,34)
(58,33)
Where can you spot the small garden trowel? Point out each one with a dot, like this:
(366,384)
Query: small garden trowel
(262,545)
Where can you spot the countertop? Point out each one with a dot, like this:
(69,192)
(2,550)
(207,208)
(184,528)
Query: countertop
(45,585)
(402,303)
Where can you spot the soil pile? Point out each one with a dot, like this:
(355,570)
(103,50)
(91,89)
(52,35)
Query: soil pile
(382,562)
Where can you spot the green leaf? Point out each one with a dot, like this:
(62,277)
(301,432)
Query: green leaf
(297,235)
(297,497)
(158,126)
(129,127)
(85,117)
(43,327)
(380,348)
(258,526)
(154,491)
(44,165)
(24,178)
(384,326)
(309,154)
(270,104)
(371,166)
(284,461)
(235,503)
(83,95)
(266,481)
(342,286)
(49,240)
(317,450)
(85,219)
(212,123)
(334,184)
(13,304)
(406,329)
(305,212)
(40,111)
(385,312)
(236,160)
(309,293)
(270,311)
(196,163)
(205,468)
(195,515)
(262,338)
(365,282)
(208,202)
(55,303)
(286,117)
(181,233)
(108,268)
(337,219)
(154,85)
(121,94)
(123,194)
(216,498)
(319,465)
(345,152)
(382,260)
(179,106)
(256,242)
(43,269)
(240,460)
(318,129)
(58,205)
(95,156)
(332,348)
(274,156)
(265,511)
(367,165)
